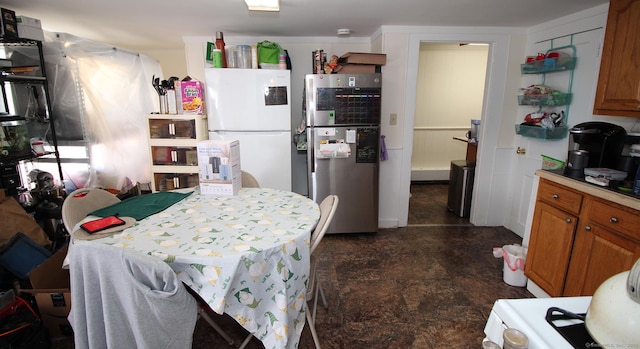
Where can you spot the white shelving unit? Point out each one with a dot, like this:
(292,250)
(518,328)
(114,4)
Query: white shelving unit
(173,151)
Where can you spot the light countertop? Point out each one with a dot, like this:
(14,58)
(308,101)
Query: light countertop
(591,189)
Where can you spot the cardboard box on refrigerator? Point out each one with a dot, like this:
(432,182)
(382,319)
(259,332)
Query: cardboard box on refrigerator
(52,291)
(219,167)
(358,69)
(363,58)
(30,28)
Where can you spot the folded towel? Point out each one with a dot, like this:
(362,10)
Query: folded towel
(383,149)
(140,207)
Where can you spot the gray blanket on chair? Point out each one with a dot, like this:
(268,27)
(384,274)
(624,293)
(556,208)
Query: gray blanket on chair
(121,298)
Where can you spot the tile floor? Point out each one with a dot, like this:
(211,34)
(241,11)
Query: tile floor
(429,285)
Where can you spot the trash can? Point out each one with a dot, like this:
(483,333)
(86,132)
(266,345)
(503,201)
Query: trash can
(461,178)
(513,267)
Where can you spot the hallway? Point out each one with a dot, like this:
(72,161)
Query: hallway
(428,205)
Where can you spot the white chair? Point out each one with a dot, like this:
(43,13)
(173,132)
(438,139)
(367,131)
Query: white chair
(83,201)
(328,208)
(249,181)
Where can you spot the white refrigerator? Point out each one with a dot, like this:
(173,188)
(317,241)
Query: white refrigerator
(253,106)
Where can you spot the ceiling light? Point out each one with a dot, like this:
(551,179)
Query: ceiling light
(263,5)
(344,32)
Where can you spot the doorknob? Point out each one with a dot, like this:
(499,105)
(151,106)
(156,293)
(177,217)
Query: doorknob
(521,151)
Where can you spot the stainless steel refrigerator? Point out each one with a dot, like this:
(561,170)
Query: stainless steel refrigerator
(343,146)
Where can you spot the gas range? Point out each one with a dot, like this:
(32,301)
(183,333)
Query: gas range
(529,316)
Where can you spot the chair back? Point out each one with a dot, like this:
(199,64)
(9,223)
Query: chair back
(82,202)
(249,181)
(328,208)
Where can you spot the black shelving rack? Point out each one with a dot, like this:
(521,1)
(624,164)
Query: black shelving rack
(18,74)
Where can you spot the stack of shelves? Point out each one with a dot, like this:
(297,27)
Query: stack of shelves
(173,149)
(25,114)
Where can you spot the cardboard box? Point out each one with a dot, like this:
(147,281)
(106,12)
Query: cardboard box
(189,97)
(358,69)
(52,291)
(363,58)
(15,219)
(30,28)
(219,167)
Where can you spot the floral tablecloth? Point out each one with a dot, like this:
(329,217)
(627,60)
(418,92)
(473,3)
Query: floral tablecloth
(246,255)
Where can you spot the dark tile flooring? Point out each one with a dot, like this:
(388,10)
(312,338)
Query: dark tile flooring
(429,285)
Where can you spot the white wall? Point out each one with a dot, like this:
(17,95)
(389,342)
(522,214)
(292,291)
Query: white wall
(450,91)
(173,62)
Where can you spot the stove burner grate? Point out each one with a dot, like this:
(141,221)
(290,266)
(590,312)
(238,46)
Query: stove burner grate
(576,334)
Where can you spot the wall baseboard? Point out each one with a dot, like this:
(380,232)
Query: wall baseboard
(430,175)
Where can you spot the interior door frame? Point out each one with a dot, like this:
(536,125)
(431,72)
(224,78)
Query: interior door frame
(486,192)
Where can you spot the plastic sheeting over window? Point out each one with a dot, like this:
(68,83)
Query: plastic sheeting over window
(100,94)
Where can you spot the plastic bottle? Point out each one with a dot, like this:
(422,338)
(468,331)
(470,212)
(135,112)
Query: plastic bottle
(282,61)
(244,56)
(220,46)
(217,58)
(232,56)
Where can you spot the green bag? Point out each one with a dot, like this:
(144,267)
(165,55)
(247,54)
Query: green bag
(268,52)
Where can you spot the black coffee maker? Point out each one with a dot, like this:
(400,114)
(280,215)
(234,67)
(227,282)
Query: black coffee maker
(602,142)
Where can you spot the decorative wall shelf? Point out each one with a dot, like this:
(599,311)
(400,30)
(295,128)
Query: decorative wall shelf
(562,63)
(557,132)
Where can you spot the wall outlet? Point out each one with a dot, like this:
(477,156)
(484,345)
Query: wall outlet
(393,119)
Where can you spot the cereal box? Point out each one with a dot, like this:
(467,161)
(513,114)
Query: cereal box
(189,97)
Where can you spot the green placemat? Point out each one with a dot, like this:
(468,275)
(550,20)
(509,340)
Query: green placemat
(140,207)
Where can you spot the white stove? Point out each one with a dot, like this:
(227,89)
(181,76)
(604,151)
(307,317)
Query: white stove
(528,316)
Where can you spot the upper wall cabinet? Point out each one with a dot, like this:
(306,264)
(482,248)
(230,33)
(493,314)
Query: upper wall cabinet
(618,91)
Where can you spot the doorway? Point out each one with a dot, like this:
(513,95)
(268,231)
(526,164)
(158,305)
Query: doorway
(450,92)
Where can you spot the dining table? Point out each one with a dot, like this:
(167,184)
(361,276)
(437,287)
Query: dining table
(246,255)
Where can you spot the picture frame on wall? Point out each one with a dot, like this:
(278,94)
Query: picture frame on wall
(9,28)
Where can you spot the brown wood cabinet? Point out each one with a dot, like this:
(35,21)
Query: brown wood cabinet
(618,90)
(607,243)
(579,240)
(552,234)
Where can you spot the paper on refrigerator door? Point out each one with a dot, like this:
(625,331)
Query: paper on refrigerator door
(328,150)
(351,136)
